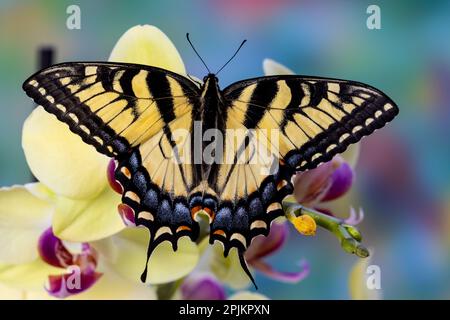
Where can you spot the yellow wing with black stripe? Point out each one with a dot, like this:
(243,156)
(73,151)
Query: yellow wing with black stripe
(316,117)
(130,112)
(114,106)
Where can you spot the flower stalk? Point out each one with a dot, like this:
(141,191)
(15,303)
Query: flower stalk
(167,291)
(348,236)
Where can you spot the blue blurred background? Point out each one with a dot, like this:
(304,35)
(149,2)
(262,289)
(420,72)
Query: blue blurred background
(402,178)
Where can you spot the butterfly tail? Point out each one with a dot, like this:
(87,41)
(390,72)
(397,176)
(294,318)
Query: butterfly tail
(151,246)
(245,268)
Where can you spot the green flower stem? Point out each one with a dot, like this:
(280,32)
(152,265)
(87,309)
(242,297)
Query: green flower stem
(349,237)
(166,291)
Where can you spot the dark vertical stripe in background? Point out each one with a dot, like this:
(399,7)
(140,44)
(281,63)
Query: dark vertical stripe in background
(46,56)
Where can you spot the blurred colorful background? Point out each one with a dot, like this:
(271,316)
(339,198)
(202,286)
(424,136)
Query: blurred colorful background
(403,174)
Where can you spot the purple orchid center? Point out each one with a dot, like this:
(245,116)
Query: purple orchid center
(127,215)
(80,267)
(110,174)
(327,182)
(341,181)
(202,287)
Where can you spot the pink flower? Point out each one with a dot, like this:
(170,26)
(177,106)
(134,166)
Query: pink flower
(81,266)
(262,247)
(329,181)
(202,287)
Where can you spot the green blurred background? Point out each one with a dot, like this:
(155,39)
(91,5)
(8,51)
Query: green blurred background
(402,178)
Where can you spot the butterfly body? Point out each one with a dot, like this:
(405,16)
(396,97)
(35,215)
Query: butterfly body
(210,116)
(237,150)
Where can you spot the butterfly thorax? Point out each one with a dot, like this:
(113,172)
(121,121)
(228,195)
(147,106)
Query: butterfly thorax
(209,124)
(212,103)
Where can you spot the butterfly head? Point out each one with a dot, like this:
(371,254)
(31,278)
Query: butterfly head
(210,78)
(210,84)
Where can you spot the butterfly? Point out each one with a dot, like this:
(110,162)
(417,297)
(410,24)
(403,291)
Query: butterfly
(132,113)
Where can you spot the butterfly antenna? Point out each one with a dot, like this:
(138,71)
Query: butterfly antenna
(234,55)
(198,55)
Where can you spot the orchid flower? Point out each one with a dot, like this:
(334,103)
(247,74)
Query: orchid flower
(200,286)
(73,202)
(69,224)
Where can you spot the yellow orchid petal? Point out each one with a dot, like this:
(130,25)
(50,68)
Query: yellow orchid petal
(165,265)
(27,276)
(351,155)
(358,282)
(7,293)
(145,44)
(23,217)
(247,295)
(112,286)
(126,254)
(40,191)
(87,220)
(228,270)
(60,159)
(273,68)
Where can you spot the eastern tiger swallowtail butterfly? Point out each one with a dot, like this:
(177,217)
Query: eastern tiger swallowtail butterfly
(130,112)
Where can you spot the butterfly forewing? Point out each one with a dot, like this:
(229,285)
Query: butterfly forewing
(112,106)
(131,112)
(316,117)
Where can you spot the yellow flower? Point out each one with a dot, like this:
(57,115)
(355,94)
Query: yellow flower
(74,198)
(305,225)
